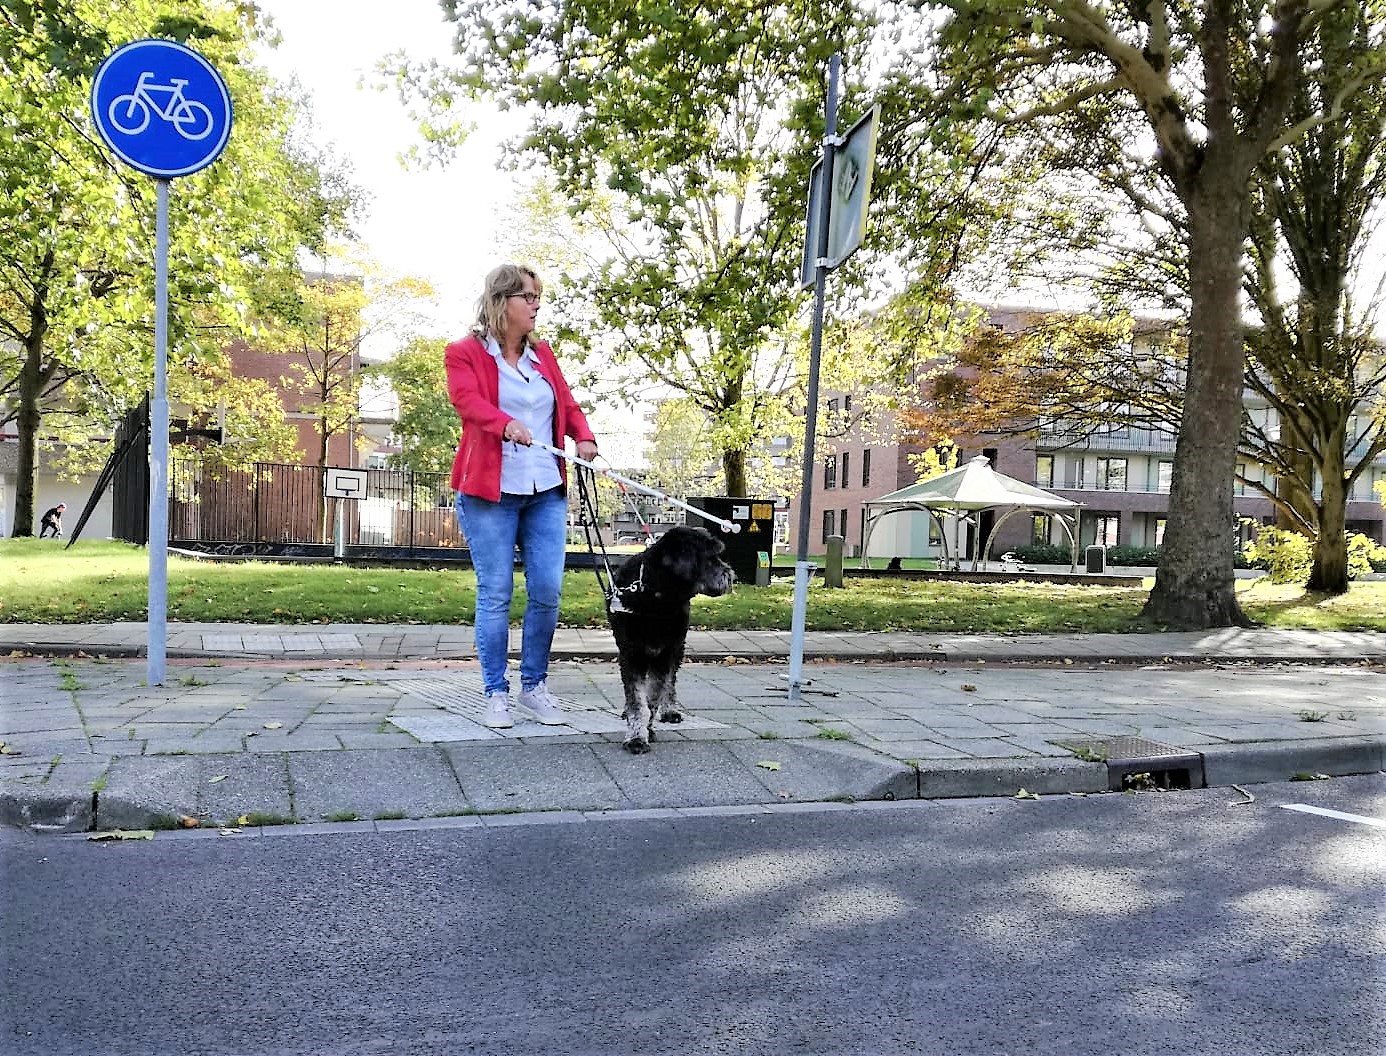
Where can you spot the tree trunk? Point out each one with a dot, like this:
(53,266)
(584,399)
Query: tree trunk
(734,469)
(1291,490)
(27,421)
(1195,581)
(1330,572)
(32,378)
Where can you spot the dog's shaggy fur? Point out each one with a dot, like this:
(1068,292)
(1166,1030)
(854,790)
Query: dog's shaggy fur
(650,622)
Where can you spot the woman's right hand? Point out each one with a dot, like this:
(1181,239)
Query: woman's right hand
(516,431)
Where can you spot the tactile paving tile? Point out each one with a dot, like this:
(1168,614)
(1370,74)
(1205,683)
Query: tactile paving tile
(461,696)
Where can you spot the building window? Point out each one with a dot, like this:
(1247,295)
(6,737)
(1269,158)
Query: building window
(1164,477)
(846,465)
(832,406)
(830,472)
(1111,474)
(828,518)
(842,520)
(1044,471)
(1159,531)
(1239,483)
(866,467)
(1105,529)
(847,404)
(1040,531)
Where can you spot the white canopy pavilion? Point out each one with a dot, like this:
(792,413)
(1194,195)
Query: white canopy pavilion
(974,488)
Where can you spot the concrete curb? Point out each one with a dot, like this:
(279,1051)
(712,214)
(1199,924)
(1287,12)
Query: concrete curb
(1236,764)
(837,772)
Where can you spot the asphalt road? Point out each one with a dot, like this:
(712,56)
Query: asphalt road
(1132,924)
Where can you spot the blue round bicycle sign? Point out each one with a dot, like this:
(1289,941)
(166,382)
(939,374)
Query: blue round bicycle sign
(161,107)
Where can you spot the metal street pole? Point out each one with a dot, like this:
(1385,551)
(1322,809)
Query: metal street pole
(158,452)
(802,567)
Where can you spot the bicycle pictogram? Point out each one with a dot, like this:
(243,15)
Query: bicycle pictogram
(130,113)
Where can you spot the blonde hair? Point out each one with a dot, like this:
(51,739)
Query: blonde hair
(501,283)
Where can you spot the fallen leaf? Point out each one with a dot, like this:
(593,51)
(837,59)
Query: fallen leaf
(123,834)
(188,822)
(7,749)
(768,764)
(968,687)
(214,780)
(1067,660)
(273,725)
(1023,794)
(244,819)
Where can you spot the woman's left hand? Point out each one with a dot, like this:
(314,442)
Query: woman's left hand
(586,450)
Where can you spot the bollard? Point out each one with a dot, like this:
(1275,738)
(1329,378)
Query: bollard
(762,568)
(832,566)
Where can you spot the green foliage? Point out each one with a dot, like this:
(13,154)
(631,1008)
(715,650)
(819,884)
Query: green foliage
(684,135)
(1364,556)
(1133,556)
(77,228)
(1043,554)
(1288,556)
(427,425)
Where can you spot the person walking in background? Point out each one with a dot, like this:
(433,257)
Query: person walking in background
(508,390)
(52,521)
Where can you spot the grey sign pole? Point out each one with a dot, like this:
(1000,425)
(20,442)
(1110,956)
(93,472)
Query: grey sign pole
(164,110)
(158,451)
(802,567)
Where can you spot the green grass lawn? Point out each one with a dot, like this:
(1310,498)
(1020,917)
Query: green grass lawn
(100,582)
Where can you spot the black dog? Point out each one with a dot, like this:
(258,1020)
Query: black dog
(649,618)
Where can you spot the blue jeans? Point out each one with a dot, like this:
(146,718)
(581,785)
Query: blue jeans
(538,524)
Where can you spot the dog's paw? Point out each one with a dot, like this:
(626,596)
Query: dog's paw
(636,745)
(672,715)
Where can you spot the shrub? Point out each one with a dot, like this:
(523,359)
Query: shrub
(1133,555)
(1289,556)
(1043,554)
(1364,556)
(1286,556)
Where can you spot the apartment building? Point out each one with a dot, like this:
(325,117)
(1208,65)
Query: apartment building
(1121,476)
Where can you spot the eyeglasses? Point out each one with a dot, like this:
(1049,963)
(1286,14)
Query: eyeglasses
(530,298)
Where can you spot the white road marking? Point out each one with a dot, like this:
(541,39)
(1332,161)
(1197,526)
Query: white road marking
(1305,808)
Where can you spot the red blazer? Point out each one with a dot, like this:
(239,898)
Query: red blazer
(474,388)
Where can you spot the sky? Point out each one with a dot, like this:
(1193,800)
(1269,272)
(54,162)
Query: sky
(445,225)
(437,224)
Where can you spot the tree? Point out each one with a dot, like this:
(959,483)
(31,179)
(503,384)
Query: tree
(685,134)
(77,228)
(427,426)
(1313,358)
(1193,99)
(320,322)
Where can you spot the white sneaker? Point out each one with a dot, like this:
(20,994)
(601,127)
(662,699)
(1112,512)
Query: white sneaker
(497,715)
(540,701)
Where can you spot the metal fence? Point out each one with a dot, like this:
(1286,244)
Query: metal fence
(274,503)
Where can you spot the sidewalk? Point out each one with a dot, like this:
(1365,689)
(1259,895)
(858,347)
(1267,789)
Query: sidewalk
(378,723)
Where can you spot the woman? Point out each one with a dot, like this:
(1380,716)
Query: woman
(508,390)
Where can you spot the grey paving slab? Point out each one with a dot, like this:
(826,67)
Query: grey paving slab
(535,777)
(689,773)
(417,782)
(250,785)
(825,770)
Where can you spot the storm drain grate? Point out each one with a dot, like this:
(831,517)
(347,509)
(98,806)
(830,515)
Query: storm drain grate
(1138,763)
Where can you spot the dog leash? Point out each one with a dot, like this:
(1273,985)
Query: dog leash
(588,518)
(726,526)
